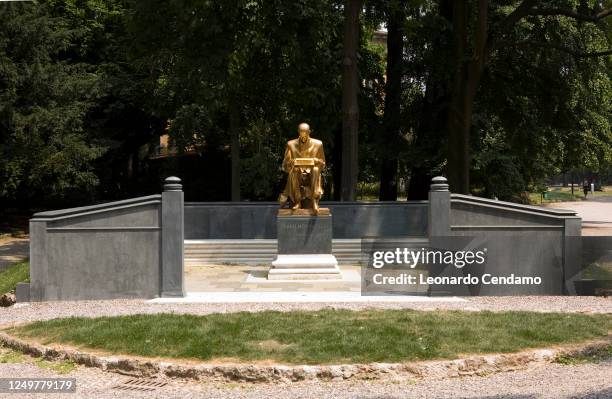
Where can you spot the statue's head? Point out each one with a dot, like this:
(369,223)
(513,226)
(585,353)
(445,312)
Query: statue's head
(304,132)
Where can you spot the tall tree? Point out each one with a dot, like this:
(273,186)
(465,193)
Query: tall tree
(466,80)
(390,139)
(242,75)
(58,66)
(473,46)
(350,100)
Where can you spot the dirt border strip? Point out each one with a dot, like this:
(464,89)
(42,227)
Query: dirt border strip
(472,365)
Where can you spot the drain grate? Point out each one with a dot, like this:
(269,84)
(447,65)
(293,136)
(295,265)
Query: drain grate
(138,384)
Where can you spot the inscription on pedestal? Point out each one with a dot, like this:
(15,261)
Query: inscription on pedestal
(304,234)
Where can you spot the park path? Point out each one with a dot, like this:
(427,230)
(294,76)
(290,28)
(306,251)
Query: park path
(596,214)
(13,250)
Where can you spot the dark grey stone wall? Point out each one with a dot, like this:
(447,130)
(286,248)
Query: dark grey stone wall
(227,220)
(522,252)
(134,248)
(124,249)
(521,239)
(474,211)
(102,252)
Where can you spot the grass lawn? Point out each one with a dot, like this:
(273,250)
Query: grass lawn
(562,194)
(596,356)
(556,196)
(19,272)
(12,356)
(325,336)
(598,271)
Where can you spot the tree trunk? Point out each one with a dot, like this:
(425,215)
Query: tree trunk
(393,97)
(428,147)
(234,126)
(130,168)
(468,70)
(350,103)
(337,164)
(420,180)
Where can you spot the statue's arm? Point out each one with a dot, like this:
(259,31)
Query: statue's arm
(320,160)
(287,160)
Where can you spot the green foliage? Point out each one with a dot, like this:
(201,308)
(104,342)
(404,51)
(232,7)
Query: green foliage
(86,87)
(47,88)
(368,191)
(497,168)
(324,336)
(17,273)
(59,366)
(10,356)
(72,106)
(543,110)
(598,271)
(268,64)
(594,356)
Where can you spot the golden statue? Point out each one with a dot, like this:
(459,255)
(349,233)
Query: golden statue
(304,160)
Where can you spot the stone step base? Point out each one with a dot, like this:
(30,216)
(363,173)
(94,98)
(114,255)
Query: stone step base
(305,267)
(305,261)
(263,251)
(257,251)
(305,274)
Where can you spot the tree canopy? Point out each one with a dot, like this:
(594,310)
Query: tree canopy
(497,95)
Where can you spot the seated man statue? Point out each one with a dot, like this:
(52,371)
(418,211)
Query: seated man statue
(303,161)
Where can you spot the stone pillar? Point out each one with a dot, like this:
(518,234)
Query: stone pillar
(172,239)
(572,253)
(438,217)
(39,268)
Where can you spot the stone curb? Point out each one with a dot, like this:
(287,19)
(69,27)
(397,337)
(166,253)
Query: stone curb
(473,365)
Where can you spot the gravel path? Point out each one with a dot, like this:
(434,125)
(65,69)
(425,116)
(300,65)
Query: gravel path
(550,381)
(50,310)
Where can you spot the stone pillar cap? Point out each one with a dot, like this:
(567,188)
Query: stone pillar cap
(172,183)
(439,183)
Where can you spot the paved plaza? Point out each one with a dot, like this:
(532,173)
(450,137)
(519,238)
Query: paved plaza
(596,214)
(249,278)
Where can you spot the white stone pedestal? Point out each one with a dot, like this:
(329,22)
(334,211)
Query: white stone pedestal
(305,267)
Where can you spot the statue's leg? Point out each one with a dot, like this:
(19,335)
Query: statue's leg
(294,187)
(317,190)
(284,195)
